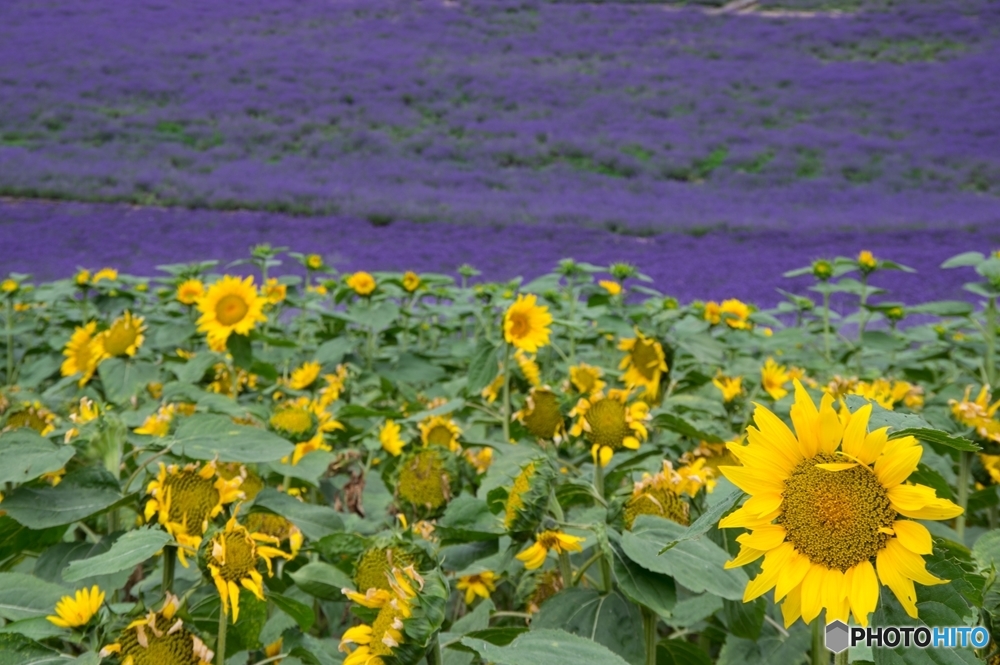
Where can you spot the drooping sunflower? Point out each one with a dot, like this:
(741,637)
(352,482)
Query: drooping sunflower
(231,305)
(82,354)
(661,494)
(586,379)
(526,324)
(233,558)
(826,501)
(304,375)
(492,391)
(376,642)
(123,338)
(644,363)
(190,291)
(774,378)
(541,414)
(532,372)
(33,416)
(610,423)
(278,527)
(528,497)
(362,283)
(184,499)
(159,639)
(373,566)
(440,431)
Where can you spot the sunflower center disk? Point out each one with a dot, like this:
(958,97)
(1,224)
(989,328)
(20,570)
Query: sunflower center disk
(241,556)
(191,497)
(119,338)
(230,310)
(422,481)
(381,625)
(645,360)
(608,426)
(834,517)
(544,418)
(174,649)
(519,325)
(296,422)
(439,436)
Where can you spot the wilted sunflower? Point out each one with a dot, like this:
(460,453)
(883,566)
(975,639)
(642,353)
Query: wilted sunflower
(304,375)
(644,363)
(82,353)
(825,502)
(233,558)
(440,431)
(610,423)
(526,324)
(534,556)
(31,415)
(660,495)
(541,415)
(123,338)
(978,414)
(159,639)
(377,641)
(528,497)
(252,483)
(184,499)
(425,479)
(362,283)
(77,610)
(231,305)
(372,568)
(190,291)
(774,378)
(586,379)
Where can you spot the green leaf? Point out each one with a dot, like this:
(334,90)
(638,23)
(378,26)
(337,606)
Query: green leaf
(468,519)
(544,647)
(697,564)
(443,410)
(965,259)
(609,620)
(679,652)
(677,424)
(641,586)
(26,455)
(194,369)
(240,347)
(936,436)
(209,436)
(314,521)
(694,610)
(483,368)
(334,350)
(302,613)
(986,551)
(891,613)
(943,308)
(709,518)
(744,619)
(773,647)
(25,596)
(311,467)
(122,379)
(16,538)
(322,580)
(54,561)
(82,493)
(128,551)
(37,628)
(17,649)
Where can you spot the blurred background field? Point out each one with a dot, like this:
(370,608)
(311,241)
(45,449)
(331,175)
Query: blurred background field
(610,125)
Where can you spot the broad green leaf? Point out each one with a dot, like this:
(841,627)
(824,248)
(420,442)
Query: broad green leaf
(241,349)
(483,367)
(36,628)
(82,493)
(55,561)
(965,259)
(773,647)
(124,378)
(302,613)
(986,551)
(26,455)
(697,564)
(334,350)
(209,436)
(311,467)
(677,424)
(128,551)
(468,519)
(692,610)
(16,538)
(322,580)
(314,521)
(709,518)
(679,652)
(607,619)
(17,649)
(545,647)
(891,613)
(25,596)
(744,619)
(644,587)
(936,436)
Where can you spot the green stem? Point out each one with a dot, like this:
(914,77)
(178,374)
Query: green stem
(220,642)
(599,476)
(863,313)
(606,574)
(841,658)
(565,569)
(434,653)
(587,564)
(572,317)
(506,394)
(10,344)
(169,565)
(649,620)
(820,656)
(991,341)
(964,464)
(826,325)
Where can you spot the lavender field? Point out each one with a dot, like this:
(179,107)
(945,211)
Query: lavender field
(636,117)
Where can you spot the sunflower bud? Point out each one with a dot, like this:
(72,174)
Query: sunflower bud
(528,497)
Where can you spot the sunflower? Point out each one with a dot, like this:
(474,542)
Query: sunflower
(123,338)
(389,437)
(190,291)
(304,375)
(274,291)
(304,422)
(375,563)
(440,431)
(480,458)
(31,415)
(278,527)
(411,281)
(610,423)
(978,414)
(478,584)
(425,479)
(492,391)
(660,494)
(105,273)
(376,642)
(867,261)
(159,639)
(774,378)
(158,424)
(331,392)
(644,363)
(560,542)
(714,456)
(586,379)
(825,502)
(231,305)
(526,324)
(362,283)
(233,559)
(77,610)
(313,261)
(731,387)
(82,353)
(613,288)
(9,286)
(528,497)
(532,372)
(541,415)
(86,411)
(184,499)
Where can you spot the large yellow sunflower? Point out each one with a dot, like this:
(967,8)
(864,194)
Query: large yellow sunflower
(123,338)
(644,363)
(82,353)
(232,305)
(526,324)
(610,423)
(827,501)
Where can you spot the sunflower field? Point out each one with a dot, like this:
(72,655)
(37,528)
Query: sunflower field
(272,462)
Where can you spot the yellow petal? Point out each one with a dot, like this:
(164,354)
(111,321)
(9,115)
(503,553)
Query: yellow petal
(919,502)
(854,433)
(900,585)
(234,596)
(812,592)
(874,445)
(764,538)
(745,556)
(831,430)
(838,466)
(779,438)
(772,567)
(791,609)
(910,564)
(863,591)
(805,418)
(893,468)
(752,481)
(914,536)
(792,576)
(835,596)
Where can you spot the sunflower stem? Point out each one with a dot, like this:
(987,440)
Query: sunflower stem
(964,465)
(826,324)
(10,344)
(506,393)
(565,569)
(169,565)
(991,341)
(841,658)
(599,476)
(220,642)
(649,621)
(434,652)
(820,656)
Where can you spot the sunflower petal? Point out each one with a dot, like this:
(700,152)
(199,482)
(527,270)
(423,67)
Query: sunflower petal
(863,591)
(745,556)
(791,609)
(900,585)
(812,592)
(854,433)
(914,536)
(895,467)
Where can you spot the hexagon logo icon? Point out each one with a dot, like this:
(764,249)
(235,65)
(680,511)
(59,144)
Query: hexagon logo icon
(837,636)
